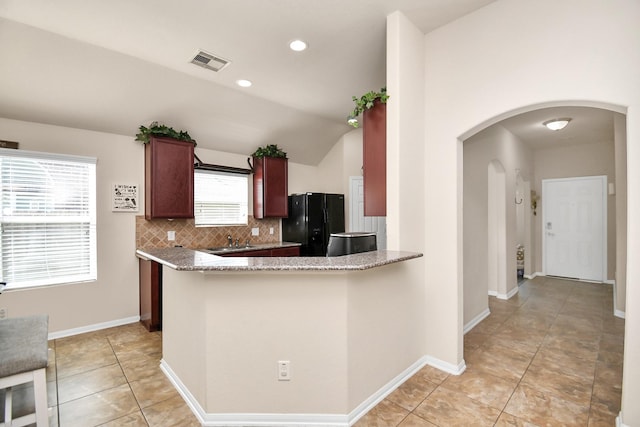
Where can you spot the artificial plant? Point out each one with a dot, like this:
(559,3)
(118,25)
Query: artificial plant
(365,102)
(161,130)
(269,151)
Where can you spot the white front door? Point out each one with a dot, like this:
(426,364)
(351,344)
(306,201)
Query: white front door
(574,227)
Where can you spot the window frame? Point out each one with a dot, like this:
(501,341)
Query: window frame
(82,217)
(243,201)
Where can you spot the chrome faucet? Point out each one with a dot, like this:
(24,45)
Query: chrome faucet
(237,243)
(230,240)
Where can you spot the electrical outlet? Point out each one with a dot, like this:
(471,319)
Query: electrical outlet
(284,371)
(270,230)
(171,235)
(4,313)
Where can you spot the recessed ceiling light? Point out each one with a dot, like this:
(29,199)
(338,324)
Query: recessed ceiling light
(298,45)
(557,124)
(243,83)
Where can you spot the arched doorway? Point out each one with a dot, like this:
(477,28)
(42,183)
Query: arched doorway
(522,184)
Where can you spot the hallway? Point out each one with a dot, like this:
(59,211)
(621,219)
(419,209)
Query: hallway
(551,355)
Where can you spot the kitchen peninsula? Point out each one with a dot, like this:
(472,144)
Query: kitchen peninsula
(229,322)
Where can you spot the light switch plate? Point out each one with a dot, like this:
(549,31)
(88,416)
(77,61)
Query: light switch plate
(284,371)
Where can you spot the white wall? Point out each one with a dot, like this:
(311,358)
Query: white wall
(335,330)
(494,143)
(342,161)
(406,215)
(513,56)
(113,298)
(620,182)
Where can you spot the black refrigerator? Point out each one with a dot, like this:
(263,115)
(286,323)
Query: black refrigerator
(312,218)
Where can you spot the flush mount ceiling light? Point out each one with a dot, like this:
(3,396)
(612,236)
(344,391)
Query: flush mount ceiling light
(557,124)
(297,45)
(244,83)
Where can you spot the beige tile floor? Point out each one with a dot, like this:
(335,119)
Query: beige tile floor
(108,378)
(550,356)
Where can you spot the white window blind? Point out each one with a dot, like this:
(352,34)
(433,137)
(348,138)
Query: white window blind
(47,218)
(220,198)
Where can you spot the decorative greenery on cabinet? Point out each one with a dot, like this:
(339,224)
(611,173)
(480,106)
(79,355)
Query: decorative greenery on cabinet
(366,102)
(160,130)
(269,151)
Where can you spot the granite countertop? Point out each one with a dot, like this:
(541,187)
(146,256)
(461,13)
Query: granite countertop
(193,260)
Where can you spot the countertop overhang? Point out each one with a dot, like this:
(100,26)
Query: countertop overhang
(183,259)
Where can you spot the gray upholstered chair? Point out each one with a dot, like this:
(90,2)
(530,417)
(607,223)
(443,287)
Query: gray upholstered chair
(23,359)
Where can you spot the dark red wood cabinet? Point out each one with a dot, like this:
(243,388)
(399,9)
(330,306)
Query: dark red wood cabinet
(288,251)
(150,294)
(168,178)
(270,187)
(374,130)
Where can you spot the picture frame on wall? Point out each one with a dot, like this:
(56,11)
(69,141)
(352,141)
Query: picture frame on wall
(125,198)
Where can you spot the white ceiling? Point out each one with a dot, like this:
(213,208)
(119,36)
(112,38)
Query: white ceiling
(113,65)
(588,125)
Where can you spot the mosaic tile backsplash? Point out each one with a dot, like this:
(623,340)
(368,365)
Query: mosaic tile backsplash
(153,233)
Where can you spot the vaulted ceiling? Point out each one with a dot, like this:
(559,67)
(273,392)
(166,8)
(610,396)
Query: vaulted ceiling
(113,65)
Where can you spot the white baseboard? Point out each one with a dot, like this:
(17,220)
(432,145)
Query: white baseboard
(386,390)
(619,422)
(610,282)
(508,295)
(94,327)
(303,420)
(293,420)
(534,275)
(446,366)
(616,312)
(473,322)
(252,419)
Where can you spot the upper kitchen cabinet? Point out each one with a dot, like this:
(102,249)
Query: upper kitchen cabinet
(270,187)
(374,130)
(168,178)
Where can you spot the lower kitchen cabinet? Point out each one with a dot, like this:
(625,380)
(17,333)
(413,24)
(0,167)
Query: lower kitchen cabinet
(288,251)
(150,294)
(265,252)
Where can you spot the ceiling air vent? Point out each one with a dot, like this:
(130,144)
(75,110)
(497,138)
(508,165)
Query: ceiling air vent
(209,61)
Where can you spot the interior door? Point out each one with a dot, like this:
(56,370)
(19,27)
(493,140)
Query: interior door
(574,227)
(357,220)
